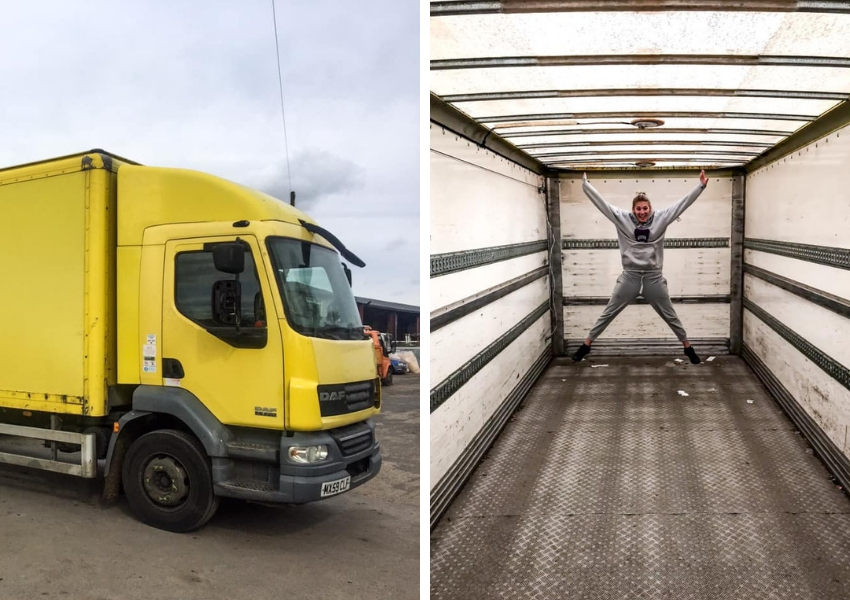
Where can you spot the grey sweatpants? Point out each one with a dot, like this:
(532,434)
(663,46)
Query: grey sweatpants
(628,288)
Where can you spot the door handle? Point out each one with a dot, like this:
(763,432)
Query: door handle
(172,369)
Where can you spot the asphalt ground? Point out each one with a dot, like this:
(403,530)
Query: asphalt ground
(60,541)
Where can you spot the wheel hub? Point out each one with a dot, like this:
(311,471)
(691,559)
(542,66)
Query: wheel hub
(165,481)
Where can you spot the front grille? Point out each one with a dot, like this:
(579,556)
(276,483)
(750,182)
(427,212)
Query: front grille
(359,395)
(353,439)
(344,398)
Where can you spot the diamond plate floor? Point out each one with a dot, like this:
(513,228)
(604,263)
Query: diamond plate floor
(609,484)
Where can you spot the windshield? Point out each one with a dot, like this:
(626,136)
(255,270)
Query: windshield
(316,295)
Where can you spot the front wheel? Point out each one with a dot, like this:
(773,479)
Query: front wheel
(388,380)
(167,480)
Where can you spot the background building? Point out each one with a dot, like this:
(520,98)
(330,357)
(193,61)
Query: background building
(400,320)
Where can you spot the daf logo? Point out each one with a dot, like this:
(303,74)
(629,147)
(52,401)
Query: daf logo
(332,396)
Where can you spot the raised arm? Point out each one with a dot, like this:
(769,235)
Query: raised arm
(613,213)
(671,213)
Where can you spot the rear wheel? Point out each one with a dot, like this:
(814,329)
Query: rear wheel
(168,482)
(388,380)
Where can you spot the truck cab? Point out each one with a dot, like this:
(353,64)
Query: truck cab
(248,329)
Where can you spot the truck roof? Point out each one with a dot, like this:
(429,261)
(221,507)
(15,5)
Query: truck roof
(150,196)
(85,160)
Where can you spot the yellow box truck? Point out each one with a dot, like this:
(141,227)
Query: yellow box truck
(183,336)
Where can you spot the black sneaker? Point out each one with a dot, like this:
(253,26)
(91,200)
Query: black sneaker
(689,351)
(581,353)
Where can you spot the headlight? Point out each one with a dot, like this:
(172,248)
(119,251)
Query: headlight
(308,454)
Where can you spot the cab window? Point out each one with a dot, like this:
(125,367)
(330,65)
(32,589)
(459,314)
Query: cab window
(195,274)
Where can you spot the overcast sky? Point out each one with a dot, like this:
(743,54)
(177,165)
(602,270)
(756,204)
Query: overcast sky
(194,84)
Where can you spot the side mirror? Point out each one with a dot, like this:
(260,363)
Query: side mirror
(227,314)
(347,273)
(227,302)
(229,257)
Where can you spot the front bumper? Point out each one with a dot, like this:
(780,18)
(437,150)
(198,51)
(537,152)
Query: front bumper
(257,470)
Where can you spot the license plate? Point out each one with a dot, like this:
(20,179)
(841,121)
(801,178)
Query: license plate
(332,488)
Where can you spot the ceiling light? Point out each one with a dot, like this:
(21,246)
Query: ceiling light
(647,123)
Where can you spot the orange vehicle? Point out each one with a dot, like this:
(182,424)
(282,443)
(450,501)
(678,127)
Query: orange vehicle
(383,345)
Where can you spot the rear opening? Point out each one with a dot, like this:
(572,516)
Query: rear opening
(609,482)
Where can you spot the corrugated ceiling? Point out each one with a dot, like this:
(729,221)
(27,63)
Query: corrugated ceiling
(575,83)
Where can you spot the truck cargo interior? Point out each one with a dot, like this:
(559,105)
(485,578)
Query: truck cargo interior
(634,473)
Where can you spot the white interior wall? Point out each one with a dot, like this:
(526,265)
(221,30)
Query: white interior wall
(453,287)
(689,271)
(481,200)
(821,396)
(454,343)
(698,271)
(816,324)
(803,198)
(641,321)
(821,277)
(456,423)
(709,216)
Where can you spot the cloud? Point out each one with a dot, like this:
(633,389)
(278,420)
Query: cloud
(395,243)
(318,178)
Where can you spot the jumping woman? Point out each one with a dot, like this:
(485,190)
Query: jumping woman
(640,235)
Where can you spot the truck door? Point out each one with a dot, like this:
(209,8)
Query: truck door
(236,372)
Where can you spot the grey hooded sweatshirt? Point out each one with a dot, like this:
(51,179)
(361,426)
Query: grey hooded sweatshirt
(641,244)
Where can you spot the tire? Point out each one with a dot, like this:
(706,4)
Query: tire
(168,482)
(389,378)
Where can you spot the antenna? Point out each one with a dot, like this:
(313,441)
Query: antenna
(282,111)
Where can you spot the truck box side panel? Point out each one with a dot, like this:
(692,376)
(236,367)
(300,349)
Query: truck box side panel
(796,237)
(488,229)
(111,296)
(44,310)
(99,290)
(129,259)
(697,258)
